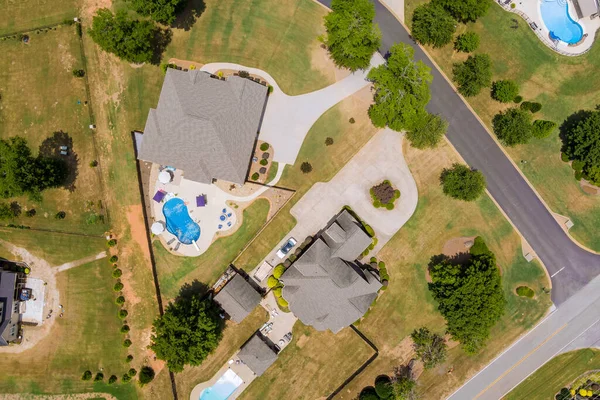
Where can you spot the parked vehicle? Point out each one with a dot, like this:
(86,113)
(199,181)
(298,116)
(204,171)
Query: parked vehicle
(286,247)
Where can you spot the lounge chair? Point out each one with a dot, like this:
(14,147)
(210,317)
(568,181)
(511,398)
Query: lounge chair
(177,246)
(159,196)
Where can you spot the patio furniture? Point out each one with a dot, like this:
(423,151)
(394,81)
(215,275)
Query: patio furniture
(177,246)
(222,217)
(159,196)
(201,200)
(229,215)
(224,211)
(229,224)
(220,226)
(171,241)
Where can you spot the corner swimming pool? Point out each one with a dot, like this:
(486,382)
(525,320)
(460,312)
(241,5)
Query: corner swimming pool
(179,222)
(223,387)
(555,14)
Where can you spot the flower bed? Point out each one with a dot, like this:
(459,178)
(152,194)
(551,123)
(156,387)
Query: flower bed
(384,195)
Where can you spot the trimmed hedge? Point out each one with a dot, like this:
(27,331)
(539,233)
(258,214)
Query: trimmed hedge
(272,282)
(278,271)
(113,259)
(282,302)
(123,314)
(263,162)
(127,343)
(120,300)
(118,287)
(117,273)
(264,146)
(542,128)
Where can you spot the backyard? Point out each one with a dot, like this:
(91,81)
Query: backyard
(563,85)
(18,15)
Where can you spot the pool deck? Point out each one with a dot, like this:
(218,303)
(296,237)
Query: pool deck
(240,369)
(530,11)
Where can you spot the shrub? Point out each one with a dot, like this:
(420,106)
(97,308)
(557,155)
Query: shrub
(467,42)
(513,126)
(564,157)
(113,259)
(578,175)
(383,387)
(269,89)
(125,329)
(132,372)
(111,243)
(146,375)
(112,379)
(123,314)
(255,176)
(389,206)
(430,347)
(352,120)
(480,248)
(518,99)
(577,165)
(278,271)
(244,74)
(513,5)
(127,343)
(117,273)
(120,300)
(328,141)
(78,73)
(118,287)
(542,128)
(369,230)
(94,218)
(531,106)
(462,183)
(99,377)
(282,302)
(432,24)
(87,375)
(473,75)
(129,358)
(277,292)
(30,213)
(60,215)
(306,167)
(263,162)
(272,282)
(368,393)
(264,146)
(505,91)
(383,192)
(164,67)
(126,378)
(525,291)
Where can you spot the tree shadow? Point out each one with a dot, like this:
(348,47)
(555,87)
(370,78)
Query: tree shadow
(162,38)
(193,289)
(187,17)
(51,148)
(568,124)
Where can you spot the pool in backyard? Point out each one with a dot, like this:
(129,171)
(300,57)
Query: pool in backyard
(179,222)
(223,387)
(555,14)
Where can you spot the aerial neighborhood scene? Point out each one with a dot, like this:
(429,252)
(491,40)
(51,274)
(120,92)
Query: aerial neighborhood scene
(300,199)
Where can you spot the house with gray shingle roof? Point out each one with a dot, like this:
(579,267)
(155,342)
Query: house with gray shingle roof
(326,287)
(9,308)
(257,354)
(204,125)
(238,298)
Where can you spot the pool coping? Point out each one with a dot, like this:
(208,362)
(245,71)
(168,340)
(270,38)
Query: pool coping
(241,370)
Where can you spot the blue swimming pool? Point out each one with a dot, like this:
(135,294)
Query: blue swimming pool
(179,222)
(223,387)
(555,14)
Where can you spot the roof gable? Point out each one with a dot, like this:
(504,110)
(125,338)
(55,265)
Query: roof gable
(238,298)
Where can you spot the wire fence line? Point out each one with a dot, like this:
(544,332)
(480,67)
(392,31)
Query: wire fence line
(7,35)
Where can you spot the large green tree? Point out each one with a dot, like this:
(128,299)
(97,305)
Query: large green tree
(581,142)
(428,131)
(401,88)
(127,38)
(462,183)
(432,24)
(21,173)
(513,126)
(430,347)
(467,42)
(465,10)
(470,298)
(352,37)
(163,11)
(473,75)
(189,330)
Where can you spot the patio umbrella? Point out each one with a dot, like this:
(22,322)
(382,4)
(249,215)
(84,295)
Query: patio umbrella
(164,176)
(158,227)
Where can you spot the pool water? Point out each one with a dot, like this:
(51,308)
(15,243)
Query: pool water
(179,222)
(223,387)
(555,14)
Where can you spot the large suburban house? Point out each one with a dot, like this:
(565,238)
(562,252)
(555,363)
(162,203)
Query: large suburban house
(204,125)
(10,317)
(326,287)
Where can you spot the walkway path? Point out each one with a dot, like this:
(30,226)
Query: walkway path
(288,119)
(82,261)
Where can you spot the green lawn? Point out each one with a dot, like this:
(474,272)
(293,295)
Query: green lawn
(90,322)
(557,373)
(563,85)
(28,14)
(40,96)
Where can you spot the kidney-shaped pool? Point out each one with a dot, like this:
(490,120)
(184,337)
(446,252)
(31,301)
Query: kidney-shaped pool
(555,14)
(179,222)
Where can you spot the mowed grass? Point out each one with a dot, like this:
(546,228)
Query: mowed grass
(86,337)
(234,336)
(41,96)
(563,85)
(312,366)
(174,271)
(275,36)
(556,374)
(28,14)
(407,304)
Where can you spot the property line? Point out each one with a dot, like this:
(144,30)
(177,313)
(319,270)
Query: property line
(556,273)
(6,227)
(36,28)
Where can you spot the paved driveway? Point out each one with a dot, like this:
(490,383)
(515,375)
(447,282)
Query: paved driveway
(381,158)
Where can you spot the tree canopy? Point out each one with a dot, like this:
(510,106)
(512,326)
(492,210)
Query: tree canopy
(163,11)
(462,183)
(401,88)
(473,75)
(470,298)
(189,330)
(465,10)
(432,24)
(467,42)
(21,173)
(581,142)
(542,128)
(127,38)
(352,37)
(505,91)
(427,132)
(513,126)
(429,347)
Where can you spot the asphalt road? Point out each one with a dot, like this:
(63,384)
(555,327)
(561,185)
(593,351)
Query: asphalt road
(573,266)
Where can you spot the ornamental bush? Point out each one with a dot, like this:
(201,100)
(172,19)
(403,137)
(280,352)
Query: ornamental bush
(272,282)
(123,314)
(264,146)
(277,292)
(87,375)
(255,176)
(513,126)
(125,329)
(117,273)
(328,141)
(113,259)
(462,183)
(126,378)
(282,302)
(60,215)
(99,377)
(306,167)
(369,230)
(263,162)
(432,24)
(505,91)
(129,358)
(383,387)
(127,343)
(146,375)
(132,372)
(518,99)
(120,300)
(111,243)
(542,128)
(473,75)
(112,379)
(278,271)
(531,106)
(384,193)
(467,42)
(118,287)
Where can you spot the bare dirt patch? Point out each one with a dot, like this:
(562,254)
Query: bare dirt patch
(322,62)
(458,245)
(135,218)
(589,188)
(302,341)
